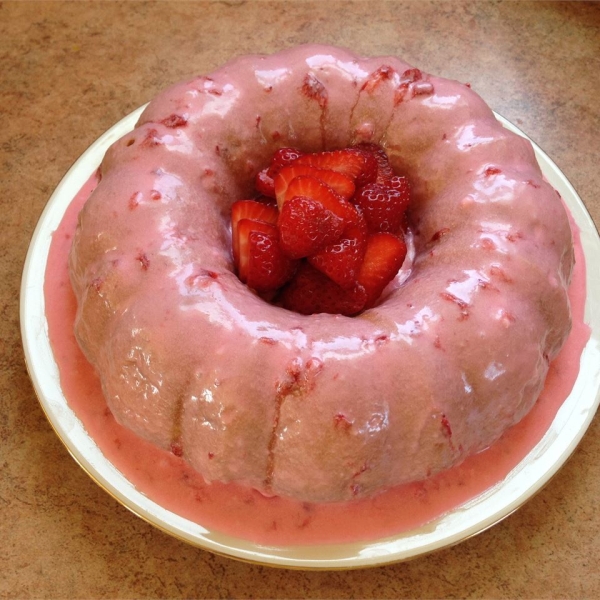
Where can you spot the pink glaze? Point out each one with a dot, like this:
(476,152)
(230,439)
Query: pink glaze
(243,512)
(321,408)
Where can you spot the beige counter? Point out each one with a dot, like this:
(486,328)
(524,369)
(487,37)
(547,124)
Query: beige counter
(68,71)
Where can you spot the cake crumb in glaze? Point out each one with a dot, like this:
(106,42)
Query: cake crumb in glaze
(513,224)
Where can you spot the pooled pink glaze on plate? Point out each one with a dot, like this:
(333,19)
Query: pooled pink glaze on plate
(320,408)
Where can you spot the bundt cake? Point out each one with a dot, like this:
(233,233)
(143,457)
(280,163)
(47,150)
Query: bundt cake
(321,407)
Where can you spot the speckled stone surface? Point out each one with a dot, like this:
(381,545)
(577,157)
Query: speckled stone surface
(69,71)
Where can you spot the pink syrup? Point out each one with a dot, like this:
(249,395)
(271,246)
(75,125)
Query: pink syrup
(245,513)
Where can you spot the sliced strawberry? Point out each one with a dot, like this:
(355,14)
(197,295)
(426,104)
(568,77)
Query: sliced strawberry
(311,292)
(310,187)
(262,264)
(282,158)
(369,170)
(264,183)
(306,226)
(346,161)
(338,182)
(384,169)
(383,206)
(384,256)
(341,261)
(253,210)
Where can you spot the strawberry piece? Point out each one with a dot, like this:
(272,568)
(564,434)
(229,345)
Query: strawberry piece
(262,265)
(306,226)
(311,292)
(384,256)
(369,170)
(310,187)
(253,210)
(264,183)
(384,169)
(346,161)
(383,206)
(341,261)
(338,182)
(282,158)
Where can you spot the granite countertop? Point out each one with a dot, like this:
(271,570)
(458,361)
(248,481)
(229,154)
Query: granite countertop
(70,70)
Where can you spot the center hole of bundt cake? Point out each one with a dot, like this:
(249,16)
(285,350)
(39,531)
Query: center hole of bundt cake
(326,230)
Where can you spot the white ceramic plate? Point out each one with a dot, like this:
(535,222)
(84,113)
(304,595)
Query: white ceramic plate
(477,515)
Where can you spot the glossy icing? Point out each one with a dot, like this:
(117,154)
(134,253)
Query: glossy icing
(244,513)
(325,407)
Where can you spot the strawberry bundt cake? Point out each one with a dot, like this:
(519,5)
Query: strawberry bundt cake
(320,407)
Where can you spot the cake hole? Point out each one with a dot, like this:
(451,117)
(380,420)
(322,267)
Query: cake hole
(324,232)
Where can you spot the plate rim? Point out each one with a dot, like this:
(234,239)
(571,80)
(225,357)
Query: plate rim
(40,363)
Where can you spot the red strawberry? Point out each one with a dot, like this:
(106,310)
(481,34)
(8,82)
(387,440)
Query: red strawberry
(282,158)
(264,183)
(262,264)
(384,169)
(369,170)
(341,260)
(384,256)
(253,210)
(310,187)
(383,206)
(346,161)
(311,292)
(306,226)
(340,183)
